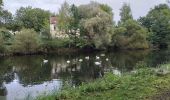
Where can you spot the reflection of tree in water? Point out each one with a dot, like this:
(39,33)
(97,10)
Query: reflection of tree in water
(4,72)
(76,72)
(3,90)
(31,69)
(126,60)
(158,57)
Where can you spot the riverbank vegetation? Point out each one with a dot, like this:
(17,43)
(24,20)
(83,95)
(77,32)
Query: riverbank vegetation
(144,84)
(87,26)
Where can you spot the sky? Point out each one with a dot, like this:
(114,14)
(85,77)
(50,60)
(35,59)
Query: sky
(139,7)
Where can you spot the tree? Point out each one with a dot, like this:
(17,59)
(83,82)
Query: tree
(34,18)
(6,18)
(27,41)
(1,4)
(97,23)
(130,35)
(1,43)
(125,12)
(75,17)
(64,16)
(106,8)
(157,22)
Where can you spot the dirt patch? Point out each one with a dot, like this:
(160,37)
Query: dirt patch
(162,96)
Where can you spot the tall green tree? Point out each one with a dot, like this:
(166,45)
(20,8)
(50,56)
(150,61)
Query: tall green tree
(125,12)
(97,23)
(106,8)
(34,18)
(130,35)
(27,41)
(6,18)
(2,46)
(64,16)
(75,17)
(157,22)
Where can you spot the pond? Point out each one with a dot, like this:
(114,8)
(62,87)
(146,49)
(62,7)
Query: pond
(29,76)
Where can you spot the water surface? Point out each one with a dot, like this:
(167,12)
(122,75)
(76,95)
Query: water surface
(28,76)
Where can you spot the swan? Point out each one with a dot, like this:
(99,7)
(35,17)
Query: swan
(97,63)
(102,55)
(68,61)
(87,57)
(45,61)
(80,60)
(107,59)
(97,57)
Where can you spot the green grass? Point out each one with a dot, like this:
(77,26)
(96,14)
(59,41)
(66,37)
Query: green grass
(143,84)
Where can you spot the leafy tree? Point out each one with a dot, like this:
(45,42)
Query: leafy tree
(6,35)
(125,12)
(6,18)
(130,35)
(27,41)
(157,22)
(64,16)
(34,18)
(97,24)
(1,43)
(106,8)
(1,4)
(75,17)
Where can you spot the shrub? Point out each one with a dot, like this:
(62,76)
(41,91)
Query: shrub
(2,48)
(26,41)
(52,44)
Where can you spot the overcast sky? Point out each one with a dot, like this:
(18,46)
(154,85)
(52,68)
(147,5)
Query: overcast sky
(139,7)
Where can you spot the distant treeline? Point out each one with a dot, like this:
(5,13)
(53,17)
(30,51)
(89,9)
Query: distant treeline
(95,23)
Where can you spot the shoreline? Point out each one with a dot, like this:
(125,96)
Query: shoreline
(66,51)
(143,84)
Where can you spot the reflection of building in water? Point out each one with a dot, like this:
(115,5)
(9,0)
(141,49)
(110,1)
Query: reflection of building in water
(57,68)
(62,66)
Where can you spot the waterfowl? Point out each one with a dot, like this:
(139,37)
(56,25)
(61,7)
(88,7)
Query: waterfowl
(80,60)
(102,55)
(45,61)
(87,57)
(68,61)
(97,57)
(107,59)
(97,63)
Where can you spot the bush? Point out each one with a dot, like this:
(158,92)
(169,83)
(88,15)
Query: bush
(26,41)
(56,43)
(2,47)
(130,35)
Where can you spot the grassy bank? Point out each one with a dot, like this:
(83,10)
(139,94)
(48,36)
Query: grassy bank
(144,84)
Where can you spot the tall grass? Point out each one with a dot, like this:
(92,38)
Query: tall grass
(142,84)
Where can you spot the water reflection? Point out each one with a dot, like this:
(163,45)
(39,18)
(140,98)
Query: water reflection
(29,75)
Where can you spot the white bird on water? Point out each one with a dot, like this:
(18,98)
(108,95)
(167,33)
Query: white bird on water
(97,57)
(107,59)
(97,63)
(68,61)
(80,60)
(45,61)
(87,57)
(102,55)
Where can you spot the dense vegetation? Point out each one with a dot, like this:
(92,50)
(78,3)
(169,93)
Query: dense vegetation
(143,84)
(87,26)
